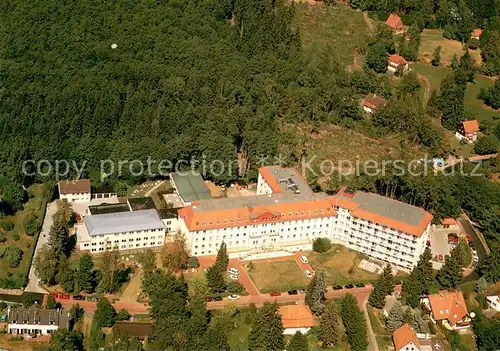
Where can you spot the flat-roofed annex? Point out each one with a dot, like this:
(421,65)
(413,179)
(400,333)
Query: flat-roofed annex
(123,222)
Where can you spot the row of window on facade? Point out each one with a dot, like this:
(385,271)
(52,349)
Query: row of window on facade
(130,233)
(130,246)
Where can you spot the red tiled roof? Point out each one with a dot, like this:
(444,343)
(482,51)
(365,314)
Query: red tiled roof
(270,179)
(448,305)
(394,21)
(297,316)
(374,101)
(81,186)
(477,32)
(470,126)
(399,60)
(403,336)
(448,221)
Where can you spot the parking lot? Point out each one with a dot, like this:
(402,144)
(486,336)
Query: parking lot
(439,245)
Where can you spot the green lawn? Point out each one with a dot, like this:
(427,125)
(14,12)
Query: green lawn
(26,243)
(340,265)
(278,276)
(331,30)
(472,103)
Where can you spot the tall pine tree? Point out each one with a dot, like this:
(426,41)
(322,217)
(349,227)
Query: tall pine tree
(450,274)
(395,317)
(298,342)
(315,293)
(330,326)
(266,332)
(354,323)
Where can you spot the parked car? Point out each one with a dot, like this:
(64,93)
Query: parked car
(64,296)
(360,285)
(337,287)
(440,257)
(302,291)
(292,292)
(233,297)
(308,274)
(275,293)
(217,298)
(349,286)
(92,298)
(304,259)
(78,297)
(208,299)
(54,295)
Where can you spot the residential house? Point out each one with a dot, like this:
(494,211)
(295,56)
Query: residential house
(286,215)
(449,223)
(395,23)
(396,63)
(494,302)
(470,130)
(449,308)
(476,33)
(75,190)
(36,320)
(372,102)
(296,318)
(405,339)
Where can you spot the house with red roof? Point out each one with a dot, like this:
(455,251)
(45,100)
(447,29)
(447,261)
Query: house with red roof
(405,339)
(449,308)
(395,23)
(296,318)
(372,102)
(397,62)
(476,33)
(469,130)
(449,223)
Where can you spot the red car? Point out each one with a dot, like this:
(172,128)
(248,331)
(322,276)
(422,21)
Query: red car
(441,257)
(275,293)
(64,296)
(54,294)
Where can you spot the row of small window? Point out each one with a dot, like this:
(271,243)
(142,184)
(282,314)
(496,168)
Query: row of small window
(282,215)
(130,246)
(124,240)
(269,231)
(132,233)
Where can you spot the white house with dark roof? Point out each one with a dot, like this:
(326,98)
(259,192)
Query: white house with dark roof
(75,190)
(36,321)
(130,230)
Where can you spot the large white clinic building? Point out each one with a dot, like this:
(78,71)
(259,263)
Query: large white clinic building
(287,215)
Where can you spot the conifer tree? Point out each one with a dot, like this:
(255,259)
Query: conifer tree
(298,342)
(354,323)
(222,259)
(407,315)
(315,293)
(266,332)
(450,274)
(418,322)
(330,326)
(395,317)
(436,58)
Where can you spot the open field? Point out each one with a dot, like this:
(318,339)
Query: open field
(340,265)
(26,243)
(277,276)
(333,30)
(430,39)
(472,103)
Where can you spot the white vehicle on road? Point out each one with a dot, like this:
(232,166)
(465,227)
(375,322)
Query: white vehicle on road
(233,297)
(304,259)
(308,274)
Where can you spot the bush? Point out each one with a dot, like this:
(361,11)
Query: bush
(473,43)
(235,288)
(7,225)
(16,237)
(432,328)
(322,245)
(486,145)
(123,315)
(3,305)
(31,226)
(2,237)
(194,262)
(12,255)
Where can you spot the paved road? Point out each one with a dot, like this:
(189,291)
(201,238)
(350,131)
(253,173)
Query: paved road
(33,281)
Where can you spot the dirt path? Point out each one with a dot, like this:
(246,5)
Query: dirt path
(368,21)
(372,341)
(427,90)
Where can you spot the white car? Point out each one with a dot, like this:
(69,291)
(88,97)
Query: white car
(233,297)
(308,274)
(304,259)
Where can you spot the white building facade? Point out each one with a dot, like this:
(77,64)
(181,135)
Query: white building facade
(286,215)
(36,321)
(123,231)
(75,190)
